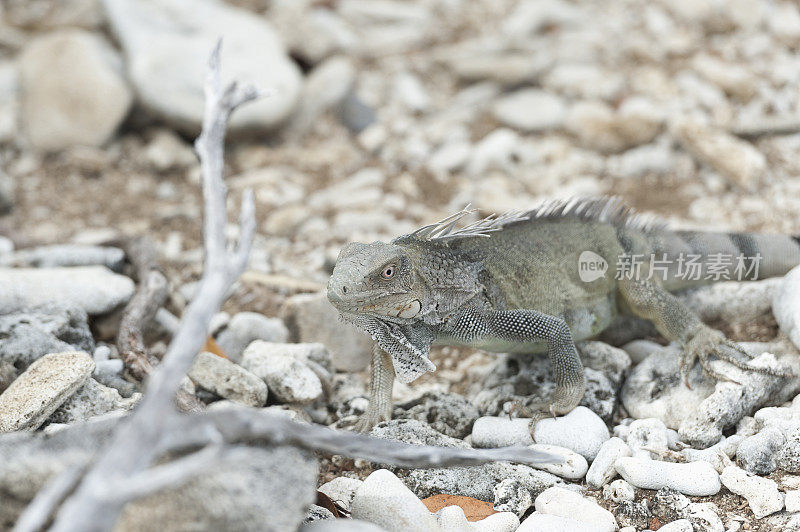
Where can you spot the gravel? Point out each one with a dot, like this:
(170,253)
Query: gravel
(226,379)
(285,369)
(247,327)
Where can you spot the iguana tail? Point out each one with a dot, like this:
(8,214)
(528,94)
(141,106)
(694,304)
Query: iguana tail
(690,258)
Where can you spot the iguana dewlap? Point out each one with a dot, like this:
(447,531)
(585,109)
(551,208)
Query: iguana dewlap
(535,282)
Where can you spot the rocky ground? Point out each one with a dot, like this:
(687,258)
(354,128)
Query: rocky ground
(385,115)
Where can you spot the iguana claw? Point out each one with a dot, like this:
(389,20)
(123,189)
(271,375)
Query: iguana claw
(707,342)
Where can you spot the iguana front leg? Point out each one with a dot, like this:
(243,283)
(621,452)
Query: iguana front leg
(676,322)
(471,326)
(380,391)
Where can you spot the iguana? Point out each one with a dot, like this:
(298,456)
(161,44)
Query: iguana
(530,282)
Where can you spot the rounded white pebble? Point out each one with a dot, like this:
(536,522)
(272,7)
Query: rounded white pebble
(619,490)
(648,438)
(499,522)
(695,478)
(384,500)
(539,522)
(680,525)
(792,501)
(565,503)
(581,430)
(490,432)
(602,469)
(761,493)
(573,467)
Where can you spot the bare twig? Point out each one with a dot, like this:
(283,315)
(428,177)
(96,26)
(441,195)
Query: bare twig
(245,425)
(142,308)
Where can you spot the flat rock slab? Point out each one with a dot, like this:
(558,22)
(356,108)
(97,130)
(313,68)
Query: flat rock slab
(95,289)
(44,386)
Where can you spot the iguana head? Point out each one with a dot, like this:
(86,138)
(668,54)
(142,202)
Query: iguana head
(374,287)
(375,279)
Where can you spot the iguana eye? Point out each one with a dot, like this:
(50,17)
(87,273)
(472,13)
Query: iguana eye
(388,272)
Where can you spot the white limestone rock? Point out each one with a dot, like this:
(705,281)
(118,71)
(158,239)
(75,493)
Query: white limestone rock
(228,380)
(342,490)
(581,430)
(761,493)
(95,289)
(167,44)
(287,375)
(72,90)
(530,110)
(496,431)
(602,469)
(42,388)
(573,467)
(565,503)
(696,478)
(384,500)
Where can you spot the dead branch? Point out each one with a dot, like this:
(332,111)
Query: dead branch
(245,425)
(142,308)
(132,449)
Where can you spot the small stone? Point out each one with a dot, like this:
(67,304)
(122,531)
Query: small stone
(786,305)
(530,110)
(42,388)
(565,503)
(539,522)
(635,514)
(318,513)
(602,469)
(385,501)
(756,454)
(573,467)
(647,438)
(618,491)
(732,302)
(499,522)
(65,255)
(341,525)
(732,157)
(246,327)
(510,495)
(761,493)
(341,490)
(167,151)
(490,432)
(581,430)
(72,90)
(718,455)
(92,399)
(696,478)
(601,128)
(792,500)
(95,289)
(639,350)
(311,318)
(287,375)
(788,457)
(679,525)
(325,87)
(228,380)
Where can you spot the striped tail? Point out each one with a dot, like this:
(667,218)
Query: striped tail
(689,258)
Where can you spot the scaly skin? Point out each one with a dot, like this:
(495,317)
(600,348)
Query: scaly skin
(512,284)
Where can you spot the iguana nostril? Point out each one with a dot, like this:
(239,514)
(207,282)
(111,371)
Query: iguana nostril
(344,289)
